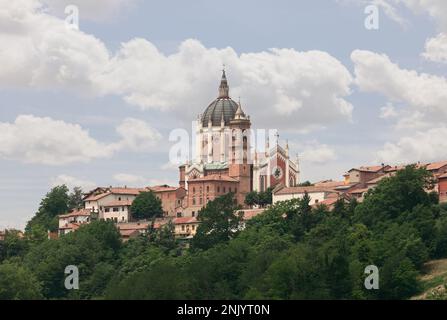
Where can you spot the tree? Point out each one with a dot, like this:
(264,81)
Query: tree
(75,200)
(92,247)
(261,199)
(266,197)
(305,184)
(219,222)
(13,245)
(146,206)
(18,283)
(252,198)
(395,195)
(56,202)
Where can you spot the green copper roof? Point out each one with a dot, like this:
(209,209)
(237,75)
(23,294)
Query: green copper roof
(216,166)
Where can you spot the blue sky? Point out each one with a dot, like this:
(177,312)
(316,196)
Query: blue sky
(107,96)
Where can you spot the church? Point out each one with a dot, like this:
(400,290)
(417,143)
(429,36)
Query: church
(225,160)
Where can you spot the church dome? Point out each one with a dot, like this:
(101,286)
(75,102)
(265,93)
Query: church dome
(219,108)
(223,106)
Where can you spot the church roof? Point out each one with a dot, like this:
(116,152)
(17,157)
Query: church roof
(223,108)
(216,166)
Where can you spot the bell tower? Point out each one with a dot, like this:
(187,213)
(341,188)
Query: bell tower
(240,166)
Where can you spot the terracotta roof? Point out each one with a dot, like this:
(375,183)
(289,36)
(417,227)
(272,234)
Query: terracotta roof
(369,168)
(329,184)
(162,188)
(214,177)
(97,196)
(356,191)
(436,165)
(133,226)
(378,179)
(128,191)
(310,189)
(185,220)
(118,203)
(443,176)
(117,190)
(395,168)
(327,202)
(77,213)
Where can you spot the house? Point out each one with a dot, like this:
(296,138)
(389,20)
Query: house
(99,199)
(204,189)
(173,199)
(362,175)
(72,221)
(317,194)
(117,211)
(114,203)
(2,235)
(185,227)
(442,188)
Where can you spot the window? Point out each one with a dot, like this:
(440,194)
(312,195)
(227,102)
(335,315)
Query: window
(229,189)
(119,198)
(235,190)
(218,189)
(183,228)
(201,201)
(179,214)
(193,214)
(193,227)
(193,201)
(116,209)
(122,209)
(316,200)
(107,210)
(193,190)
(224,189)
(207,188)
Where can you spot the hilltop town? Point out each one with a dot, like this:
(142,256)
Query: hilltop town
(224,164)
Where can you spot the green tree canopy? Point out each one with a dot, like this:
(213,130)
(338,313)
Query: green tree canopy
(55,202)
(18,283)
(146,206)
(219,222)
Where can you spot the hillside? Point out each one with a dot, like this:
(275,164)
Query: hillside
(433,281)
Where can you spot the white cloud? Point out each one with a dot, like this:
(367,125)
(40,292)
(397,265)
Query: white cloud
(137,135)
(53,142)
(72,182)
(318,154)
(96,10)
(423,93)
(422,146)
(46,141)
(436,49)
(388,111)
(130,179)
(296,90)
(279,86)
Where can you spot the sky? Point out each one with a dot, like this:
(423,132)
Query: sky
(95,105)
